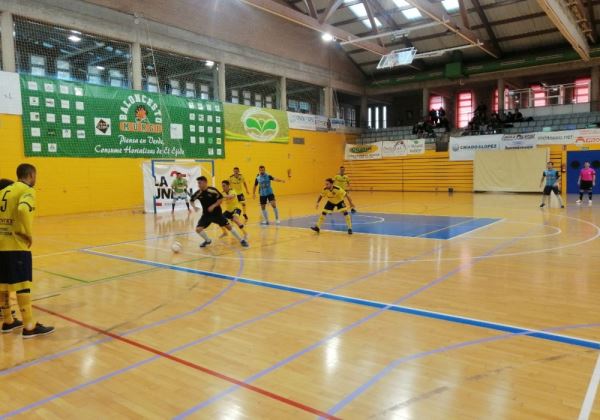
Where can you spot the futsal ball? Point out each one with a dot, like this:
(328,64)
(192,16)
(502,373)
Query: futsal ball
(176,247)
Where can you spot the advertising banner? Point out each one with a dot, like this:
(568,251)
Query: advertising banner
(402,148)
(10,94)
(158,195)
(75,119)
(244,123)
(302,121)
(518,141)
(464,148)
(363,151)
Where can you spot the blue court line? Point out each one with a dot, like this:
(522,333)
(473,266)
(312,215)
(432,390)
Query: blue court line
(444,349)
(365,302)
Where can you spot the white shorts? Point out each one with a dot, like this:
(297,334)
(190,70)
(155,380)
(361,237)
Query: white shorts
(180,196)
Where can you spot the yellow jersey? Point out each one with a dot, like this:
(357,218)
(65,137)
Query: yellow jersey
(342,181)
(335,195)
(230,202)
(237,183)
(17,205)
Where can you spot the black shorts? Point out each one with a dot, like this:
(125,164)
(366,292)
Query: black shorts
(329,206)
(214,217)
(549,188)
(264,199)
(229,214)
(241,198)
(15,270)
(586,185)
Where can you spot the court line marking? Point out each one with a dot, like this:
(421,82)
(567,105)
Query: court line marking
(557,231)
(169,356)
(349,398)
(464,222)
(466,234)
(590,395)
(366,302)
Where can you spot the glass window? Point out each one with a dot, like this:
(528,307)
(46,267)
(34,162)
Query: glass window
(539,95)
(436,102)
(358,9)
(465,109)
(384,117)
(376,117)
(251,83)
(582,90)
(506,98)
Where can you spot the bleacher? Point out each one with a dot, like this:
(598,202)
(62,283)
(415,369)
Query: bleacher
(396,133)
(555,123)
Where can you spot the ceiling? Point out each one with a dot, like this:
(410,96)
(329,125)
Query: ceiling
(510,27)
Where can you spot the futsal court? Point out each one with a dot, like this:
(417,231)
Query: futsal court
(397,321)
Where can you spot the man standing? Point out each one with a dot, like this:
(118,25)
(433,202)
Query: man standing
(335,201)
(586,182)
(232,206)
(211,199)
(17,204)
(265,191)
(236,181)
(343,181)
(552,177)
(179,187)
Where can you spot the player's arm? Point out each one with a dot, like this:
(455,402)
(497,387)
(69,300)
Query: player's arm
(25,210)
(193,199)
(254,189)
(542,180)
(579,179)
(319,200)
(218,202)
(276,179)
(246,187)
(557,183)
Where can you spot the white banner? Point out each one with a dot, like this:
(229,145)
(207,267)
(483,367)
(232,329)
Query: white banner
(10,94)
(464,148)
(415,147)
(402,148)
(518,141)
(302,121)
(363,151)
(337,123)
(322,123)
(158,195)
(580,137)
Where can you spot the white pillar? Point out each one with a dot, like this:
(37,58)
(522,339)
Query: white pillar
(8,43)
(425,102)
(136,65)
(328,102)
(501,96)
(283,93)
(220,89)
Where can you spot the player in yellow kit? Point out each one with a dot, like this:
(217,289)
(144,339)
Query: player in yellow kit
(231,206)
(335,202)
(17,205)
(343,181)
(236,181)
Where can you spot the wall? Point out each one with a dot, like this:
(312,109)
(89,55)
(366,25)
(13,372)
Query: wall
(70,185)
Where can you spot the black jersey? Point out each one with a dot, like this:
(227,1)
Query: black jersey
(207,198)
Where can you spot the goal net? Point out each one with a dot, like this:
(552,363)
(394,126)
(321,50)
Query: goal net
(159,175)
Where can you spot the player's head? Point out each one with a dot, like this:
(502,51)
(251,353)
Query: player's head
(261,169)
(202,182)
(329,183)
(342,170)
(226,186)
(5,182)
(26,173)
(236,171)
(549,165)
(586,165)
(179,175)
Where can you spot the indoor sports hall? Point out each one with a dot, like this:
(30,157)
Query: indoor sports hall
(290,209)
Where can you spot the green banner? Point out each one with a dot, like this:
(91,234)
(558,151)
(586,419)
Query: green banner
(245,123)
(74,119)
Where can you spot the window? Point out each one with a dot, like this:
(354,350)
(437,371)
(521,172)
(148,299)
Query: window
(377,118)
(464,109)
(360,12)
(384,117)
(582,90)
(495,104)
(538,94)
(450,5)
(370,117)
(436,102)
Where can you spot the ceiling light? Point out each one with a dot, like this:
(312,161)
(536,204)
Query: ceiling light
(100,67)
(327,37)
(75,32)
(74,38)
(209,63)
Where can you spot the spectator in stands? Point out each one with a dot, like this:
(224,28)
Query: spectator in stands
(433,116)
(518,115)
(441,113)
(495,125)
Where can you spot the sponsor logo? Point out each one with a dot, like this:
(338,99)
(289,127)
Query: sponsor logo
(140,114)
(102,126)
(260,124)
(363,150)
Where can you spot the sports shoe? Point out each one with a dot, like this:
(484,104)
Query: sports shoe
(589,202)
(246,217)
(244,243)
(264,222)
(316,229)
(578,202)
(16,324)
(562,206)
(39,329)
(277,222)
(542,205)
(205,243)
(352,210)
(349,231)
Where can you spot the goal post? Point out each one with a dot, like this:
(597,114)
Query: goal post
(158,174)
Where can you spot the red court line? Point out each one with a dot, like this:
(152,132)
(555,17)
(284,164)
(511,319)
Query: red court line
(192,365)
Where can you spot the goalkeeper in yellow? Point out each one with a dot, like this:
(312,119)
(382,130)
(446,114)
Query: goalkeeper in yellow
(335,202)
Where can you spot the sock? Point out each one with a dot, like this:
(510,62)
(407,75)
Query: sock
(236,235)
(580,196)
(559,199)
(7,317)
(24,300)
(276,211)
(321,220)
(590,196)
(348,220)
(187,205)
(265,215)
(173,206)
(204,235)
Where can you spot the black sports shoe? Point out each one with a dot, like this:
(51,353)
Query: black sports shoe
(246,217)
(542,205)
(205,243)
(349,231)
(38,330)
(562,206)
(16,324)
(244,243)
(316,229)
(352,210)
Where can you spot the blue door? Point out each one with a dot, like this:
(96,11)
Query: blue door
(575,161)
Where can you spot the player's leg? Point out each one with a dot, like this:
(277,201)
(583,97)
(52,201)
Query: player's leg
(545,194)
(225,223)
(349,198)
(263,209)
(342,207)
(174,203)
(558,197)
(187,203)
(329,206)
(236,219)
(273,203)
(242,201)
(203,223)
(580,194)
(9,322)
(590,194)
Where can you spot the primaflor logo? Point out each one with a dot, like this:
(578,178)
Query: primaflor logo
(364,149)
(140,114)
(259,124)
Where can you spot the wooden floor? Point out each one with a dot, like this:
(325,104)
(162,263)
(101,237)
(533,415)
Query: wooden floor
(307,326)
